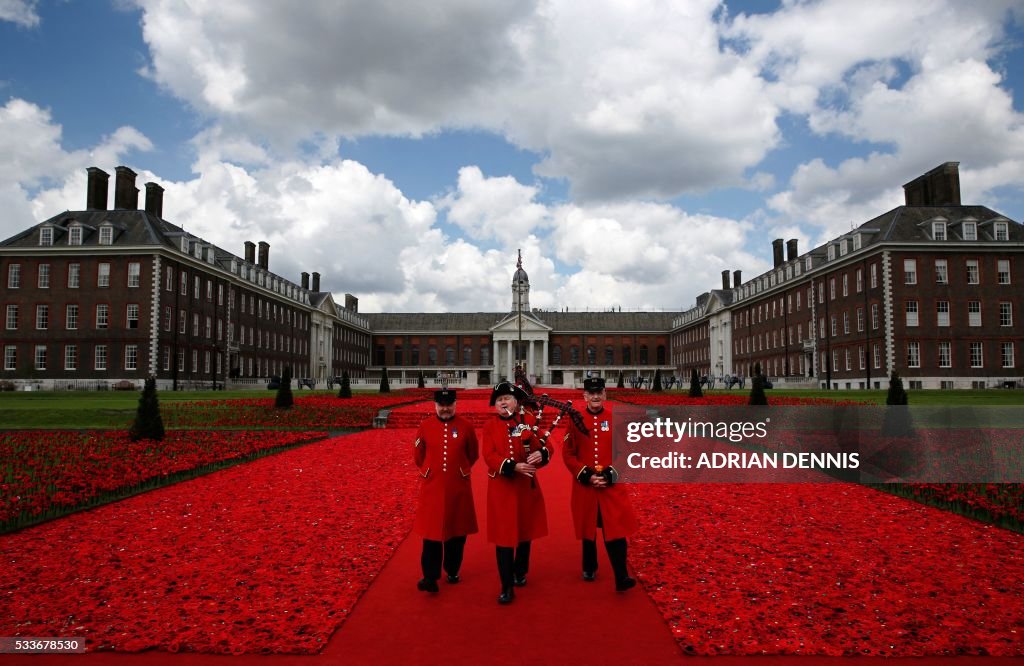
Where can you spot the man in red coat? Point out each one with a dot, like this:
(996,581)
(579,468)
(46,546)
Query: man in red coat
(597,500)
(445,450)
(515,504)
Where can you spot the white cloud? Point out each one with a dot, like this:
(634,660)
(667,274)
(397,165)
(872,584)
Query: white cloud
(493,208)
(22,12)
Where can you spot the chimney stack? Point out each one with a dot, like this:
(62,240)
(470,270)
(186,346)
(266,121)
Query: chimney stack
(264,255)
(777,252)
(96,190)
(791,249)
(351,303)
(155,199)
(126,195)
(316,282)
(250,252)
(725,280)
(938,187)
(305,281)
(736,278)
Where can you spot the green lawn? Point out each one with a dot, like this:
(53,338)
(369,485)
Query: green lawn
(963,398)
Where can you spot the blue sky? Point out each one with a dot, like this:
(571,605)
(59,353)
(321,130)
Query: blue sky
(406,152)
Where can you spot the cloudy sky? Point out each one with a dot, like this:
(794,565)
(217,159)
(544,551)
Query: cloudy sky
(407,150)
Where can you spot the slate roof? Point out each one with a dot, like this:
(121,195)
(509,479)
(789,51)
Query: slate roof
(597,322)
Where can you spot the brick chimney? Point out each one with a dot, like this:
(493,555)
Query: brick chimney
(777,252)
(316,282)
(155,199)
(737,278)
(351,303)
(725,280)
(305,281)
(264,255)
(126,195)
(96,190)
(791,249)
(250,252)
(938,187)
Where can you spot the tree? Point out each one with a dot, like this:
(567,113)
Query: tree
(345,391)
(420,382)
(757,395)
(621,383)
(695,391)
(896,395)
(148,422)
(385,387)
(284,399)
(657,380)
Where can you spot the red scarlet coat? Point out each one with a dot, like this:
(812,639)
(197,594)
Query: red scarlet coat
(515,504)
(445,451)
(585,452)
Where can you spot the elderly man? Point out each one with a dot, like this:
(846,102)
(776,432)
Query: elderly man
(597,500)
(445,450)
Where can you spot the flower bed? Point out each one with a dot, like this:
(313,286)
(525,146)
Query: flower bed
(652,398)
(46,474)
(265,557)
(825,569)
(315,411)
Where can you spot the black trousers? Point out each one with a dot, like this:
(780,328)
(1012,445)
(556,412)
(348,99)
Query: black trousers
(512,562)
(437,553)
(616,554)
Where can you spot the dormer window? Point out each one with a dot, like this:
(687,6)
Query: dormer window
(842,248)
(210,255)
(970,231)
(234,266)
(831,252)
(939,231)
(75,235)
(808,264)
(856,242)
(184,244)
(1001,231)
(46,235)
(106,235)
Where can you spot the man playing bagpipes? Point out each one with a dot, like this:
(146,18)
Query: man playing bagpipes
(597,499)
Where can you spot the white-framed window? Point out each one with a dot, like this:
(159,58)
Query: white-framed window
(209,327)
(846,356)
(132,315)
(46,235)
(10,357)
(862,357)
(831,252)
(974,314)
(973,272)
(977,355)
(184,283)
(860,319)
(1001,231)
(12,317)
(1006,354)
(40,357)
(74,235)
(181,360)
(860,280)
(182,321)
(874,276)
(876,353)
(220,294)
(945,355)
(103,275)
(939,231)
(197,285)
(942,313)
(14,276)
(74,275)
(131,357)
(910,271)
(832,289)
(102,315)
(168,313)
(71,357)
(970,230)
(167,358)
(100,357)
(195,360)
(808,264)
(43,278)
(835,327)
(106,235)
(134,273)
(168,278)
(209,290)
(913,355)
(846,284)
(821,327)
(846,323)
(1003,271)
(206,362)
(42,317)
(195,324)
(1006,314)
(911,310)
(71,316)
(941,271)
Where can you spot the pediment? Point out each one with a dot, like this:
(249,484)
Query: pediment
(510,324)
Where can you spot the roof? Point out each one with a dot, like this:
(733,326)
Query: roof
(482,321)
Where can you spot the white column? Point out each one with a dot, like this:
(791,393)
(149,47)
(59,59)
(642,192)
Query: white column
(495,361)
(508,362)
(529,356)
(544,362)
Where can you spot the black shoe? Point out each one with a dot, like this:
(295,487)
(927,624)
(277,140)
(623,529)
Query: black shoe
(453,579)
(589,576)
(519,581)
(506,596)
(425,585)
(625,584)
